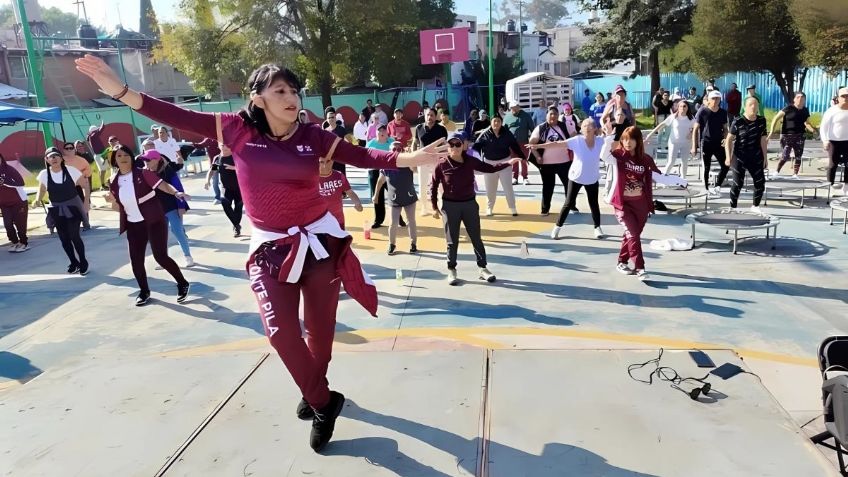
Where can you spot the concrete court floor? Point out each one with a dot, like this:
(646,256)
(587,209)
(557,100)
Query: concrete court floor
(771,307)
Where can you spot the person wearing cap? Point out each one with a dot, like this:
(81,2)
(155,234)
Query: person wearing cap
(708,133)
(496,144)
(455,176)
(399,129)
(734,102)
(796,119)
(425,134)
(675,95)
(747,150)
(168,172)
(134,194)
(752,93)
(834,136)
(400,192)
(66,208)
(520,124)
(619,102)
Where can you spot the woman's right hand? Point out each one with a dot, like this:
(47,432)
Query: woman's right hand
(102,74)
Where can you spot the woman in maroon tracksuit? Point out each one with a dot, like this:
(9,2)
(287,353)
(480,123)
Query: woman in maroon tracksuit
(297,247)
(133,192)
(634,176)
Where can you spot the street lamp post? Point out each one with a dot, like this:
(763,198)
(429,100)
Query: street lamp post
(491,63)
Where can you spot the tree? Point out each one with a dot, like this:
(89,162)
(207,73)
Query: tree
(634,26)
(823,27)
(59,22)
(748,35)
(543,14)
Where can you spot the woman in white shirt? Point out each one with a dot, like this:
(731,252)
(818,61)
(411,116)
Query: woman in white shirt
(681,123)
(360,130)
(66,209)
(584,172)
(168,147)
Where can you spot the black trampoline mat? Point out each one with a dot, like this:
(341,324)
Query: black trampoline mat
(733,220)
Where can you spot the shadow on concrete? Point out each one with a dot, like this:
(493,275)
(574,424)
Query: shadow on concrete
(427,306)
(13,366)
(698,303)
(759,246)
(556,459)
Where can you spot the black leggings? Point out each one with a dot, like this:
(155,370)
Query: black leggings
(69,234)
(838,155)
(233,206)
(754,166)
(708,150)
(571,202)
(549,173)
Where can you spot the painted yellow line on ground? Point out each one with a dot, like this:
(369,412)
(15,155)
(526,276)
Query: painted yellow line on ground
(473,336)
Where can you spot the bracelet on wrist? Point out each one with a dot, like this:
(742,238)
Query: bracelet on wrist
(123,92)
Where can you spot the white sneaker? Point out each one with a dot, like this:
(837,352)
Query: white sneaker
(599,234)
(795,176)
(623,268)
(515,182)
(526,181)
(489,212)
(217,202)
(756,210)
(837,186)
(452,279)
(775,175)
(189,262)
(641,274)
(22,248)
(485,274)
(14,248)
(555,232)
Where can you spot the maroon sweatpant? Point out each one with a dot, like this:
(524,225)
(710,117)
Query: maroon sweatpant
(633,218)
(15,222)
(138,235)
(306,358)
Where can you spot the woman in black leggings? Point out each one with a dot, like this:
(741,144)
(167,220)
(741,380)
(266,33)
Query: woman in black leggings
(66,209)
(747,144)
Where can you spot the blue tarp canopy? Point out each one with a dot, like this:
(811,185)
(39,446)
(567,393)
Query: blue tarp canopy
(12,113)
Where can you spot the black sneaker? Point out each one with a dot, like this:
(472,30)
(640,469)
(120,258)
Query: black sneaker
(182,291)
(324,422)
(413,248)
(237,231)
(73,268)
(83,269)
(142,298)
(660,206)
(375,225)
(304,410)
(391,249)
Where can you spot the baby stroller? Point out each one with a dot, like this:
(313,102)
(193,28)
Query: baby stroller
(833,363)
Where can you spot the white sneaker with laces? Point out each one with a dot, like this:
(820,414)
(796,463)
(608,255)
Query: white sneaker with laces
(452,278)
(526,181)
(599,234)
(623,268)
(489,212)
(756,210)
(555,232)
(189,262)
(485,274)
(641,274)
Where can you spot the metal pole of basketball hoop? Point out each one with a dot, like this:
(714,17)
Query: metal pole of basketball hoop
(491,72)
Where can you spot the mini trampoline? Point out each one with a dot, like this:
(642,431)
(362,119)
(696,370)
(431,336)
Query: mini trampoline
(788,184)
(687,194)
(841,205)
(735,220)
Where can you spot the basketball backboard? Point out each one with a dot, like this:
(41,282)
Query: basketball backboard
(448,45)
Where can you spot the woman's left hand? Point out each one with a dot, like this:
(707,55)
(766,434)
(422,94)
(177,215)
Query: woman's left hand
(431,154)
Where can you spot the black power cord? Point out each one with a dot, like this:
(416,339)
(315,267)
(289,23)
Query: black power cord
(670,375)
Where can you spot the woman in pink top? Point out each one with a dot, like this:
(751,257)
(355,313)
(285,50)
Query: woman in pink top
(297,247)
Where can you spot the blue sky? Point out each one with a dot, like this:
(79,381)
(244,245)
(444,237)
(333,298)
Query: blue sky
(108,13)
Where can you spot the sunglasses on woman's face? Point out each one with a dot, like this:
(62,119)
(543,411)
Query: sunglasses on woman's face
(70,148)
(455,143)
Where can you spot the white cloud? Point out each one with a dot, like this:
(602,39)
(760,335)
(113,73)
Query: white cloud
(109,13)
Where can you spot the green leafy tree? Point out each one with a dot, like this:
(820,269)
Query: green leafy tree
(541,13)
(823,27)
(635,26)
(747,35)
(60,22)
(7,16)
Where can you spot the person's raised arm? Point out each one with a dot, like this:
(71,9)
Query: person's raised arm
(777,117)
(657,129)
(161,111)
(332,147)
(169,189)
(607,111)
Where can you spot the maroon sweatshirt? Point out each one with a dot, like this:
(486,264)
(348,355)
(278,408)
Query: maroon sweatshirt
(457,178)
